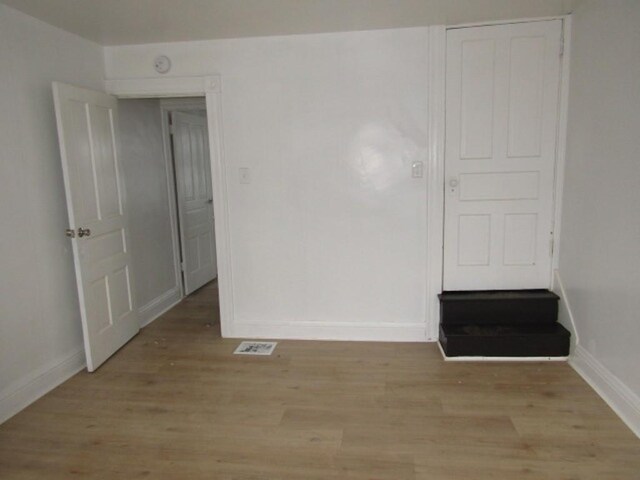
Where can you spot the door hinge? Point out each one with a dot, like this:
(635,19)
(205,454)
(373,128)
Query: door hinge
(562,43)
(551,246)
(182,266)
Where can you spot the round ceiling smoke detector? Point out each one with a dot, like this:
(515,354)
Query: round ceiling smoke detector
(162,64)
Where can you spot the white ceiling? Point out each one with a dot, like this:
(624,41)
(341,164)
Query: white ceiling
(121,22)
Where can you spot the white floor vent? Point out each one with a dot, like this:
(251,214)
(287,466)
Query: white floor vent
(255,348)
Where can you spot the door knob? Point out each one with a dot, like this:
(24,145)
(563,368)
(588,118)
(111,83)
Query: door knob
(453,183)
(70,232)
(83,232)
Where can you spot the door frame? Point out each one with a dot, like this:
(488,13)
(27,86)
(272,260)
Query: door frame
(436,132)
(166,107)
(209,87)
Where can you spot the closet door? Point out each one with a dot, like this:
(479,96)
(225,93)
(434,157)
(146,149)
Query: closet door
(502,87)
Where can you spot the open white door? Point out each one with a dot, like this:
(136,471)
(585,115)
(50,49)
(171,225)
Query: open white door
(502,106)
(87,126)
(195,200)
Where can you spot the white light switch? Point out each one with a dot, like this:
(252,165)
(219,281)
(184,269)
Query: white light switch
(245,176)
(417,169)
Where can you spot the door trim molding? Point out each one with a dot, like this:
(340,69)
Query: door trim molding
(219,179)
(435,177)
(209,87)
(561,142)
(159,87)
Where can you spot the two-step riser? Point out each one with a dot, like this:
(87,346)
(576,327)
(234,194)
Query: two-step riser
(518,323)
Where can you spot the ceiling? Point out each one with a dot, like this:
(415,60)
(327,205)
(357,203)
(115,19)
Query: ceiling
(122,22)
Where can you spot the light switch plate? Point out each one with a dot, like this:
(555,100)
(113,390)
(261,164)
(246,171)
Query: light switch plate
(417,170)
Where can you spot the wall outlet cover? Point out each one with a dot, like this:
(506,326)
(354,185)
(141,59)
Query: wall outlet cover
(245,175)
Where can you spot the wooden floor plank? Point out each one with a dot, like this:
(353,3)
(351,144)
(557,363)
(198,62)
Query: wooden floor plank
(175,403)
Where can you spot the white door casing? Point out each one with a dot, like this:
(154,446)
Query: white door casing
(87,133)
(195,199)
(502,86)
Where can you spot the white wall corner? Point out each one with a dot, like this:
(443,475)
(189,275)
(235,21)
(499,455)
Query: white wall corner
(219,181)
(159,305)
(158,87)
(561,144)
(624,402)
(618,396)
(39,384)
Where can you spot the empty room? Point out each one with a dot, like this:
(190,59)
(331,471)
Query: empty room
(320,239)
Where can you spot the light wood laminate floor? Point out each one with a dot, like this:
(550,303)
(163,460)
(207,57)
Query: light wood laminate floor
(175,403)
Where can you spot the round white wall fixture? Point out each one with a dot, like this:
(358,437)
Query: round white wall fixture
(162,64)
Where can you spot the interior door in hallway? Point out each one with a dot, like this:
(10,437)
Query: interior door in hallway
(87,126)
(502,86)
(195,199)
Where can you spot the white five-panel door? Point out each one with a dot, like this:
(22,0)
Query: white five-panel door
(195,200)
(502,87)
(87,126)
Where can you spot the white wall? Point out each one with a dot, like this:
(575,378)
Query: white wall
(150,229)
(328,239)
(600,245)
(40,330)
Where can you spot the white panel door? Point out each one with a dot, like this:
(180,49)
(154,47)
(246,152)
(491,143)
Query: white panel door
(502,87)
(87,126)
(195,200)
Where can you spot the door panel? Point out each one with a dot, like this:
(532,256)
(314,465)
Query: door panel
(526,80)
(195,204)
(477,85)
(501,120)
(88,146)
(105,167)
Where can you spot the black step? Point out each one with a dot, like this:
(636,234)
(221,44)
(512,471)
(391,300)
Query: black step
(498,307)
(544,340)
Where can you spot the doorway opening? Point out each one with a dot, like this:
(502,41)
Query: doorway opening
(167,174)
(123,207)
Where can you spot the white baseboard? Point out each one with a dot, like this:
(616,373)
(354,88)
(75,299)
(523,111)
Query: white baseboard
(40,383)
(619,397)
(158,306)
(343,331)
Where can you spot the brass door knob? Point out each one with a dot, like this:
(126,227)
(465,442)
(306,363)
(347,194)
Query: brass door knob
(83,232)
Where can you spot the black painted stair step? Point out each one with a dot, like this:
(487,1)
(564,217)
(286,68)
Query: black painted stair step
(498,307)
(543,340)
